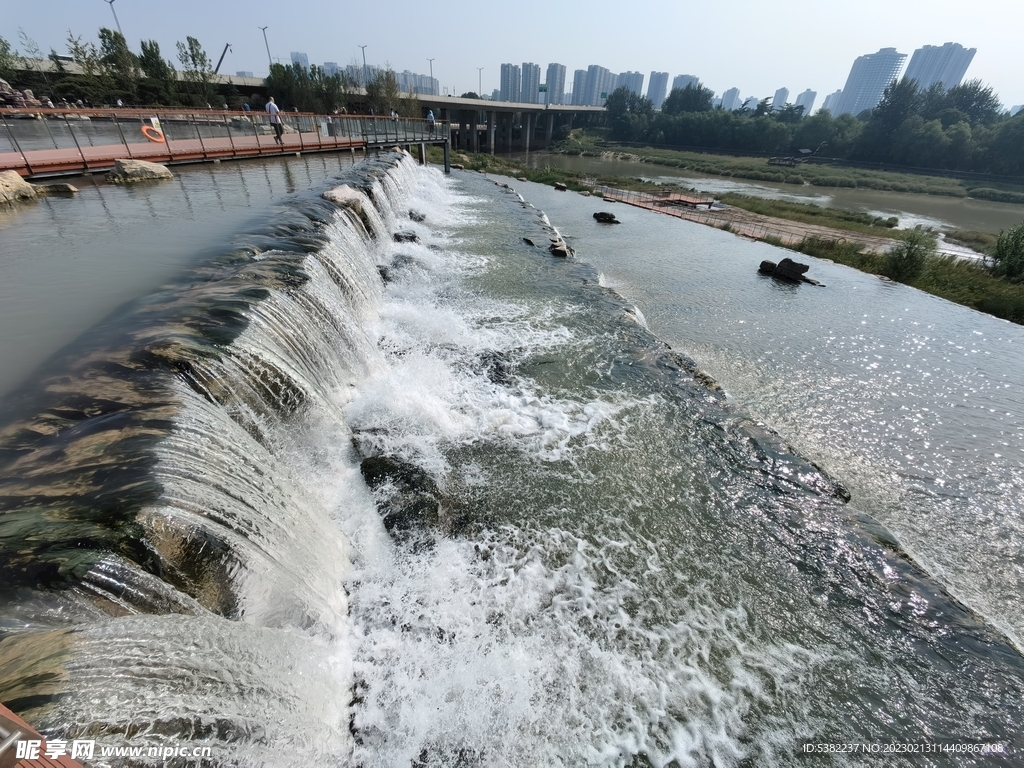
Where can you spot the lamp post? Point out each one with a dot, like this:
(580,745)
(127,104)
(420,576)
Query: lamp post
(118,23)
(433,90)
(480,82)
(269,59)
(365,78)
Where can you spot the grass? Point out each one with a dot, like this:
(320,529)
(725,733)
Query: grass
(815,174)
(982,242)
(808,213)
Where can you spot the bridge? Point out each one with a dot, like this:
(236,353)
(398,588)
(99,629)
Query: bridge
(46,143)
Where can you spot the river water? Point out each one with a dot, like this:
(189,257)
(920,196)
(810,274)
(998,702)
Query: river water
(935,211)
(629,566)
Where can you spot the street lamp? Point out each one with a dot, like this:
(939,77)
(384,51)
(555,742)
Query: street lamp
(365,78)
(433,89)
(111,4)
(480,82)
(269,59)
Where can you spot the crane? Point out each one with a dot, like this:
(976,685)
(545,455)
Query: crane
(221,59)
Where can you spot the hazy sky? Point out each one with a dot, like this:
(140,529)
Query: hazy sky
(755,46)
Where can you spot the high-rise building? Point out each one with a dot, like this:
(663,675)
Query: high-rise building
(681,81)
(751,102)
(511,82)
(1016,108)
(832,100)
(598,86)
(634,81)
(555,83)
(780,99)
(496,94)
(579,85)
(243,73)
(806,100)
(301,59)
(411,82)
(657,88)
(730,99)
(870,75)
(944,64)
(331,68)
(530,93)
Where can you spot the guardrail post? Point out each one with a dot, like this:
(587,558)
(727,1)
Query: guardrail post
(195,121)
(17,146)
(123,139)
(231,140)
(81,154)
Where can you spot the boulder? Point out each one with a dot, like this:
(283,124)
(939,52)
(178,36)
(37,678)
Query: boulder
(604,217)
(522,178)
(409,499)
(417,217)
(13,188)
(126,171)
(458,166)
(787,269)
(561,187)
(56,189)
(767,267)
(528,241)
(585,193)
(405,236)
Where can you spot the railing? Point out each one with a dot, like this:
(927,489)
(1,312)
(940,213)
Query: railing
(655,199)
(86,139)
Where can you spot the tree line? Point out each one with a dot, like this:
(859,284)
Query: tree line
(959,129)
(109,72)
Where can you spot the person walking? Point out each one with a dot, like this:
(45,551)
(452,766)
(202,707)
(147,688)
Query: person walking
(275,120)
(430,122)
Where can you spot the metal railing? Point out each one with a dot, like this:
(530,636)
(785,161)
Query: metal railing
(91,138)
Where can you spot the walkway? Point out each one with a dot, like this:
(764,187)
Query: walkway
(13,729)
(46,143)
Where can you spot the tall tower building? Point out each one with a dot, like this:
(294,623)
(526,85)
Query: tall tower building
(806,100)
(579,85)
(780,98)
(944,64)
(556,84)
(598,86)
(632,80)
(681,81)
(301,59)
(831,101)
(657,88)
(530,93)
(730,99)
(870,75)
(511,82)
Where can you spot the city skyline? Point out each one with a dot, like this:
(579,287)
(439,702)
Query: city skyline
(743,59)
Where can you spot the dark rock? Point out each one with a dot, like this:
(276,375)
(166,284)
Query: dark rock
(385,273)
(561,187)
(605,217)
(767,267)
(458,166)
(787,269)
(417,216)
(522,178)
(559,249)
(413,501)
(405,236)
(528,241)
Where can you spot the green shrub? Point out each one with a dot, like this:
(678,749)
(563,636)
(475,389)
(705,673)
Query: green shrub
(1008,254)
(906,260)
(998,195)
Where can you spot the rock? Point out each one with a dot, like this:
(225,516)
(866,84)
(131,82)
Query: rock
(126,171)
(522,178)
(385,273)
(498,367)
(528,241)
(561,187)
(585,193)
(606,218)
(13,188)
(560,249)
(417,217)
(405,236)
(767,267)
(787,269)
(56,189)
(458,166)
(411,499)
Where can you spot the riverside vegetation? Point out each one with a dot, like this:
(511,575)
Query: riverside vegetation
(994,286)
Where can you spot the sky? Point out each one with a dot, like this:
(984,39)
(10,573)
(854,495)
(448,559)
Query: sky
(754,46)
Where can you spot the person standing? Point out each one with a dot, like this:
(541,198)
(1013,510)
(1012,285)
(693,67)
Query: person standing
(430,122)
(275,120)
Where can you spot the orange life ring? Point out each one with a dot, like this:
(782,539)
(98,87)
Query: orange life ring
(153,134)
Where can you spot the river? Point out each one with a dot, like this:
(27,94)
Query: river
(936,211)
(584,552)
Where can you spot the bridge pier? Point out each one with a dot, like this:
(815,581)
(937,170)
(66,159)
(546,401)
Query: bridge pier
(510,120)
(550,130)
(528,131)
(447,157)
(490,131)
(474,128)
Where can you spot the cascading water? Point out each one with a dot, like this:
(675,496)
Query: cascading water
(385,487)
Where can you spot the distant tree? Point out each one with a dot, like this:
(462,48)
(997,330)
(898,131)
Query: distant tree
(121,64)
(692,98)
(10,61)
(383,95)
(469,95)
(906,260)
(900,101)
(307,91)
(790,113)
(91,84)
(160,85)
(976,100)
(629,114)
(33,57)
(1008,255)
(196,71)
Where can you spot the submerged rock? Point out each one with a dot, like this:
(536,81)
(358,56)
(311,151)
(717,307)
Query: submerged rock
(528,241)
(126,171)
(787,269)
(409,497)
(14,189)
(405,236)
(561,187)
(56,189)
(417,216)
(604,217)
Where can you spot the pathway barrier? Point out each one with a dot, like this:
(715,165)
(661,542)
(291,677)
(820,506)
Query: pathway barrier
(53,142)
